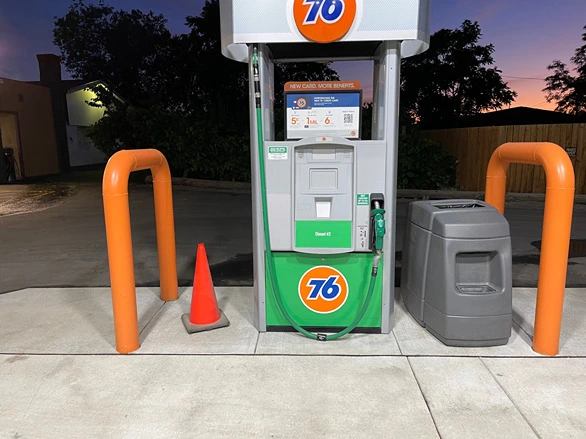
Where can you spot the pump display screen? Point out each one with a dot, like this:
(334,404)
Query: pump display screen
(322,112)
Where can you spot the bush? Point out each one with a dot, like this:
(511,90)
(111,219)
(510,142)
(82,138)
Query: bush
(423,164)
(194,148)
(221,156)
(204,149)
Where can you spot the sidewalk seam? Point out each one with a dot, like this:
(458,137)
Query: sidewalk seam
(424,398)
(152,318)
(30,404)
(227,354)
(397,341)
(510,398)
(530,336)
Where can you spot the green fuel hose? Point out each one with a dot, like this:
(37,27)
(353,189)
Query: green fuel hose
(269,260)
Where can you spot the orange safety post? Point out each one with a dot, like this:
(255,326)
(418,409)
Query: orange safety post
(557,223)
(119,238)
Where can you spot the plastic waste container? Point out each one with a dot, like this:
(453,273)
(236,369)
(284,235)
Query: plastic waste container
(456,271)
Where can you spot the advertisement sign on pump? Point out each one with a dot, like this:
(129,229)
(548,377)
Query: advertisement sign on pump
(323,108)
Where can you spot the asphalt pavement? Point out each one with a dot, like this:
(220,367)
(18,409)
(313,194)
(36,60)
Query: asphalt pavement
(62,243)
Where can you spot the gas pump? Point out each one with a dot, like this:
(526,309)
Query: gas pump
(323,199)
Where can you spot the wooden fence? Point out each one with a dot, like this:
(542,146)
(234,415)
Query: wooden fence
(473,148)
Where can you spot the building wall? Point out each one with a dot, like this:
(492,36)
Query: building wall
(10,138)
(81,115)
(82,151)
(50,77)
(33,109)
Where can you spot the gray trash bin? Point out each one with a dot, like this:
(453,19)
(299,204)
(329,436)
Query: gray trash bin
(456,271)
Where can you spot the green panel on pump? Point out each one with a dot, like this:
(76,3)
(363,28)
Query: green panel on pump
(324,291)
(323,234)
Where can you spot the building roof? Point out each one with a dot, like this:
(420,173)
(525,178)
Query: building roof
(63,85)
(8,80)
(87,85)
(519,116)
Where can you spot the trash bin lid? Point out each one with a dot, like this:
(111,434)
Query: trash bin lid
(459,219)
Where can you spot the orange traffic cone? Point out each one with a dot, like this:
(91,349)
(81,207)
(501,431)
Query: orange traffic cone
(205,314)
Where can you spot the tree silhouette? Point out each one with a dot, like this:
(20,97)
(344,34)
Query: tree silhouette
(181,94)
(128,50)
(452,79)
(568,91)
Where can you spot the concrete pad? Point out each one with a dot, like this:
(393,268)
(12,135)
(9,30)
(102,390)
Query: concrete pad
(65,320)
(414,339)
(275,343)
(572,340)
(549,392)
(138,396)
(465,401)
(166,334)
(79,321)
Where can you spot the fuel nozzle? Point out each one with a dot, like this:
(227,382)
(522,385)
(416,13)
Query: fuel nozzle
(377,222)
(379,228)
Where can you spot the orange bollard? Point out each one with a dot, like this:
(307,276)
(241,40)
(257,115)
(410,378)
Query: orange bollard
(557,223)
(119,238)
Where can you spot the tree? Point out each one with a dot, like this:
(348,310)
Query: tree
(182,95)
(568,91)
(454,78)
(424,164)
(224,83)
(127,50)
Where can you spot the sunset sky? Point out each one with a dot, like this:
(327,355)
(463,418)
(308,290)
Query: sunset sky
(527,35)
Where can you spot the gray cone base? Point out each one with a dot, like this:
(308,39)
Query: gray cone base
(191,328)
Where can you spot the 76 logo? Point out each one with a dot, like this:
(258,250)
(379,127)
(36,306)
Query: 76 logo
(328,288)
(330,11)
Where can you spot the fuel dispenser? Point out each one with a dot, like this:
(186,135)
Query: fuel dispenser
(323,198)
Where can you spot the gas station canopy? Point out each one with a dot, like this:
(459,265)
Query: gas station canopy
(281,26)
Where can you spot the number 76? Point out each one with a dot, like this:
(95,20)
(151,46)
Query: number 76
(330,11)
(327,288)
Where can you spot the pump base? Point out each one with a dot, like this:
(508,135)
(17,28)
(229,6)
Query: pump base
(191,327)
(327,329)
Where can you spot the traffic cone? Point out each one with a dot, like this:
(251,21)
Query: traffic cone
(205,313)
